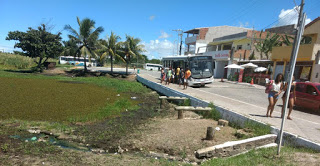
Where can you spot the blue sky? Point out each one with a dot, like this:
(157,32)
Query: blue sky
(150,20)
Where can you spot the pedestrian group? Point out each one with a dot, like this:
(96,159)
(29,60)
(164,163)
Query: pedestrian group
(178,76)
(274,89)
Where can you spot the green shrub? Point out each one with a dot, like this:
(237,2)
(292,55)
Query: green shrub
(213,114)
(15,61)
(186,102)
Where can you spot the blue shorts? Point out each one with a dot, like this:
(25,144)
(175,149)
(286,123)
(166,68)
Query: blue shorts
(271,94)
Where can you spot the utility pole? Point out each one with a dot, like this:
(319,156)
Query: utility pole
(292,64)
(180,33)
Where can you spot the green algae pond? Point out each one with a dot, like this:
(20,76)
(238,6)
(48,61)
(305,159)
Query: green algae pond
(61,98)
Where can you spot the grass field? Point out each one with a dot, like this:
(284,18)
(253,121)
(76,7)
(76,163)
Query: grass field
(60,98)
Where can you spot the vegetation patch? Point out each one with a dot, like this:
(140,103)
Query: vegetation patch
(13,61)
(269,156)
(213,114)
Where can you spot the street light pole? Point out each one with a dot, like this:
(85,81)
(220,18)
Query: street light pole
(180,33)
(293,59)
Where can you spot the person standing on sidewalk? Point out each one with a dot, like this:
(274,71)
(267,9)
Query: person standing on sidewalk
(273,95)
(186,77)
(169,75)
(292,98)
(181,78)
(162,75)
(178,74)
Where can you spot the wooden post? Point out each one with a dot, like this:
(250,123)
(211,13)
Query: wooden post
(210,133)
(180,114)
(162,101)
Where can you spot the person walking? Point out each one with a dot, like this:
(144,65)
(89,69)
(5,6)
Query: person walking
(181,78)
(186,77)
(292,98)
(178,74)
(273,95)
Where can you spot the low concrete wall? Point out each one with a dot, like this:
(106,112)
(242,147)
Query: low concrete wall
(230,115)
(235,147)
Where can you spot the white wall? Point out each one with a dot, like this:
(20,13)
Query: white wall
(219,68)
(201,50)
(279,69)
(315,76)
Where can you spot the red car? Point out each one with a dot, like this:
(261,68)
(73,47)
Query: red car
(308,95)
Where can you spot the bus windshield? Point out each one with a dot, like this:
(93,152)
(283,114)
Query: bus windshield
(201,67)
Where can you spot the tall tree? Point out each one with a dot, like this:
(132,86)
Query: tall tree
(38,44)
(86,38)
(111,47)
(130,48)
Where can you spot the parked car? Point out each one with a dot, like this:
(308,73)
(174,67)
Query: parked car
(308,95)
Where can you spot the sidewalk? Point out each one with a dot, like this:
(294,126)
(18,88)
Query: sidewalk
(307,126)
(245,84)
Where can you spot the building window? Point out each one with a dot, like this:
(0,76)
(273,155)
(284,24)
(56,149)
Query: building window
(227,47)
(306,40)
(239,47)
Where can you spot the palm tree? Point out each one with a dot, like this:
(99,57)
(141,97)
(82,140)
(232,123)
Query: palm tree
(86,38)
(130,48)
(70,48)
(111,47)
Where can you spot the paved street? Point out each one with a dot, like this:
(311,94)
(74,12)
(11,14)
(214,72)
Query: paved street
(252,101)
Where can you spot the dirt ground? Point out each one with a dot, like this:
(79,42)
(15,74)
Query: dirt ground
(137,133)
(179,137)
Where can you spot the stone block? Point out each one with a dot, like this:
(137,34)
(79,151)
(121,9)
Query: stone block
(223,122)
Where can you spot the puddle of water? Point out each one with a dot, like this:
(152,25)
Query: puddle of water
(54,141)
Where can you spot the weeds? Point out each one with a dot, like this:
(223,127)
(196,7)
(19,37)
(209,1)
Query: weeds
(266,156)
(5,147)
(12,61)
(213,114)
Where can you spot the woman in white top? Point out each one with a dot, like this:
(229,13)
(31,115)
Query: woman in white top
(273,95)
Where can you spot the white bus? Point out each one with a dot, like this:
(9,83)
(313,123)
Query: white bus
(201,67)
(77,61)
(151,66)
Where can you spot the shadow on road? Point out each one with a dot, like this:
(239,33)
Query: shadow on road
(305,110)
(264,116)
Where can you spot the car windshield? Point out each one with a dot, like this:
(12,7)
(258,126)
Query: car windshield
(201,67)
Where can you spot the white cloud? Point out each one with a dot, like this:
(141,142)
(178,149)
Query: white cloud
(164,35)
(152,17)
(160,48)
(290,16)
(244,25)
(7,48)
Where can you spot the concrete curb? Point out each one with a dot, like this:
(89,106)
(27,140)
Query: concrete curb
(232,148)
(231,115)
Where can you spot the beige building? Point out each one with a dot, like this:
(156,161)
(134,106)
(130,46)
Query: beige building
(308,62)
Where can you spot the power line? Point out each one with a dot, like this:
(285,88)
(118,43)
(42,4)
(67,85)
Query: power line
(244,9)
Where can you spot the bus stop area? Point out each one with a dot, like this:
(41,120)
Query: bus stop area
(251,101)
